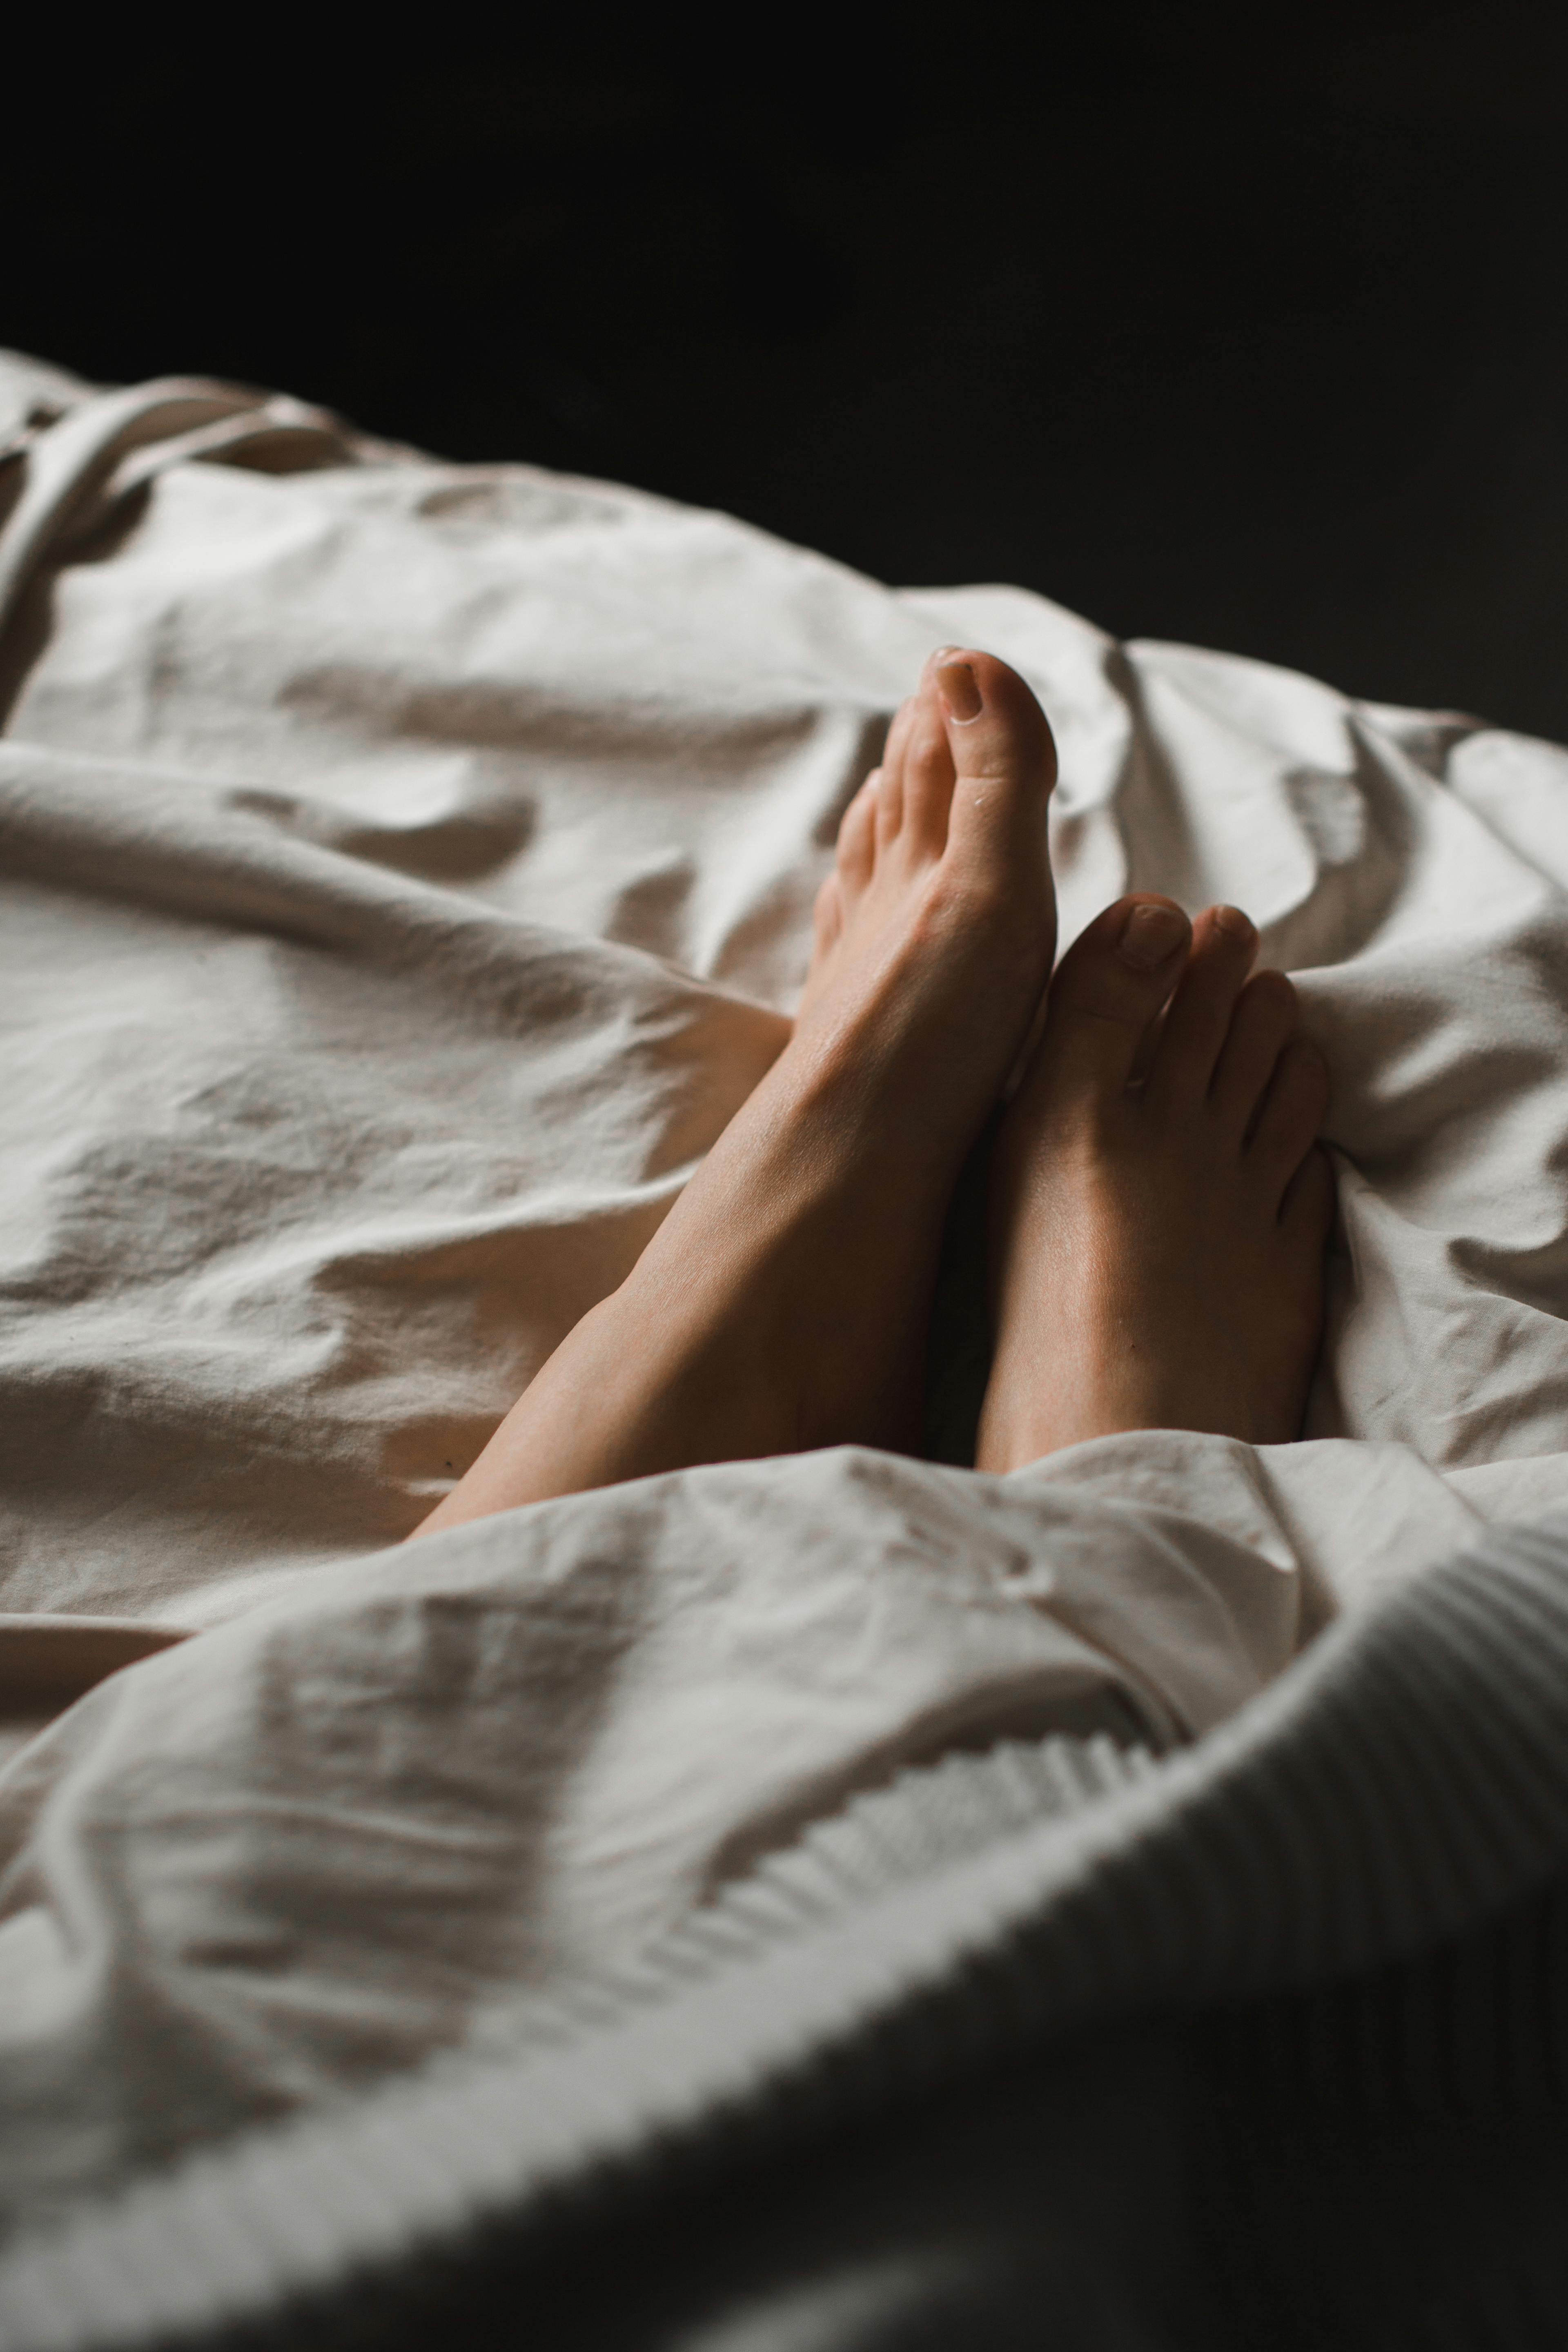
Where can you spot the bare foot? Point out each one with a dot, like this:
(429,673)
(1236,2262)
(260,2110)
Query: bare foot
(1160,1205)
(782,1303)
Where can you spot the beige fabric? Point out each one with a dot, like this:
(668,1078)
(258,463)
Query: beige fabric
(404,871)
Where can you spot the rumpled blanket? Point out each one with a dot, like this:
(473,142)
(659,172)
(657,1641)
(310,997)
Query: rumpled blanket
(407,871)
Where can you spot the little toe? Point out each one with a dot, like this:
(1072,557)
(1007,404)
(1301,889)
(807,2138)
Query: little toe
(1266,1018)
(1198,1021)
(1293,1110)
(1003,753)
(1110,985)
(856,851)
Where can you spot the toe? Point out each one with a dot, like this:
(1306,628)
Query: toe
(1266,1018)
(1004,754)
(1110,985)
(1198,1022)
(928,773)
(827,916)
(1293,1111)
(891,785)
(858,836)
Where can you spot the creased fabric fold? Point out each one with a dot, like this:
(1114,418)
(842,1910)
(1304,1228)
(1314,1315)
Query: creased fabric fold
(406,870)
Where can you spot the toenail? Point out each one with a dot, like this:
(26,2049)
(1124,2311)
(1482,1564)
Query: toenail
(960,690)
(1151,936)
(1232,919)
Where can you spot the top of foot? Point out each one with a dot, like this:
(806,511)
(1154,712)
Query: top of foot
(935,934)
(1161,1204)
(941,904)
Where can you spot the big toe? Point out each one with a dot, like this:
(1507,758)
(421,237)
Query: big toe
(1003,753)
(1110,985)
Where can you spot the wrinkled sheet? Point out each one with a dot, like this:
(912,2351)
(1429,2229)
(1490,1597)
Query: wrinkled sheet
(404,872)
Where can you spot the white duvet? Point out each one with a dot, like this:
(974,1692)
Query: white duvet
(404,871)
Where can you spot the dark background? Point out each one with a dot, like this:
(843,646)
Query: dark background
(1246,331)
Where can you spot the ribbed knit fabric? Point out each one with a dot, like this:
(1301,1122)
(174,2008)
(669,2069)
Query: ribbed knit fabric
(1404,1785)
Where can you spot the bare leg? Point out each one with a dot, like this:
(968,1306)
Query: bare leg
(1159,1237)
(783,1303)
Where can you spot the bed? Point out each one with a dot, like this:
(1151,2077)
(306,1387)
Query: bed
(837,1901)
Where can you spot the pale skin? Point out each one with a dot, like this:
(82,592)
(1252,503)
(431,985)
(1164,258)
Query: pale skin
(1159,1205)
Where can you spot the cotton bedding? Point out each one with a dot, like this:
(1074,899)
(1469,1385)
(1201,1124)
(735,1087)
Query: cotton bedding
(405,871)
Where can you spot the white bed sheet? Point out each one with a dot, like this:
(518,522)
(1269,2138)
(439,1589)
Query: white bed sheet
(404,871)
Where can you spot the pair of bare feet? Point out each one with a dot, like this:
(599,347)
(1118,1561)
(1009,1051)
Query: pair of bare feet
(1159,1206)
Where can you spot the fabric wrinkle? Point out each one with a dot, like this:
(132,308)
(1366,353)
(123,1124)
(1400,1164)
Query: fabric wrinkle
(405,872)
